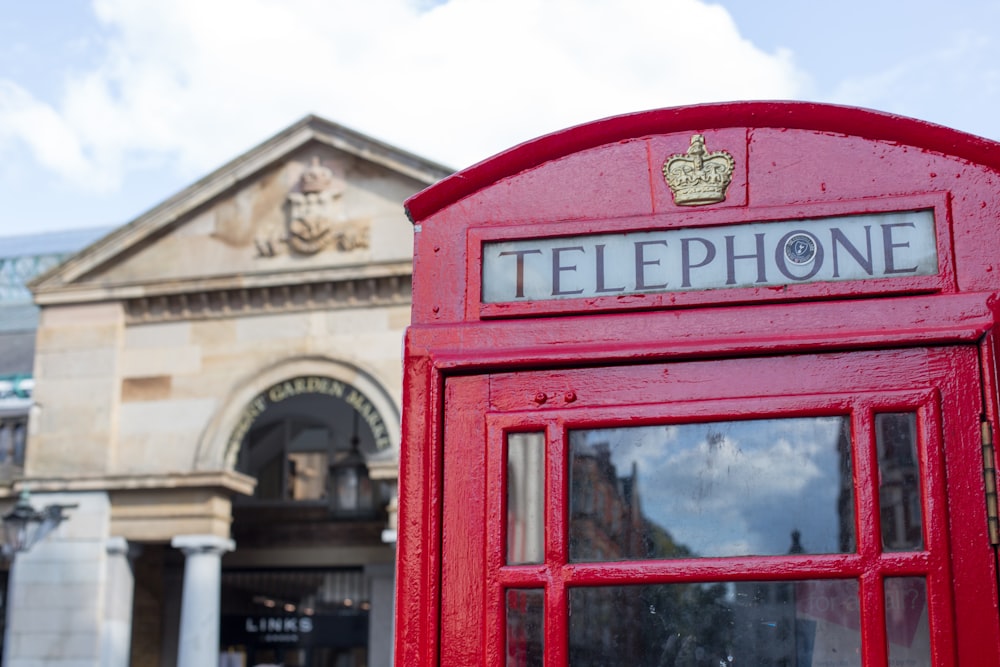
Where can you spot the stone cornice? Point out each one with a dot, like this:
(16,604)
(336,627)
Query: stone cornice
(228,480)
(89,293)
(328,295)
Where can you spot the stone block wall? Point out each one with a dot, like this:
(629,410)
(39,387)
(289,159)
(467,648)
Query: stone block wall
(74,422)
(58,589)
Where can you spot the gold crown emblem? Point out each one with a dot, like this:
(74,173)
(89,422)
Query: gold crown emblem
(699,177)
(316,178)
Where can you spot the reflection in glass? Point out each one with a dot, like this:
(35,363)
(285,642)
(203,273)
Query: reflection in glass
(525,497)
(524,627)
(753,487)
(899,482)
(798,624)
(906,626)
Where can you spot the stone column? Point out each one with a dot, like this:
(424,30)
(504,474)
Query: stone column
(119,588)
(198,645)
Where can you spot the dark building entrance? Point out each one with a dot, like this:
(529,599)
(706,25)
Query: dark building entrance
(294,618)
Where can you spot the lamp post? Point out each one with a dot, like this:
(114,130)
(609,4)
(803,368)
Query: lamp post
(24,526)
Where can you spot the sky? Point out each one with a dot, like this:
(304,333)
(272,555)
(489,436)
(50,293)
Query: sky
(108,107)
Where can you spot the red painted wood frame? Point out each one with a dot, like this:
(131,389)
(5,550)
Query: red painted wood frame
(940,384)
(435,354)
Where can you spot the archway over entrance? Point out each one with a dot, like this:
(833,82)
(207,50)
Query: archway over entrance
(221,441)
(308,584)
(308,439)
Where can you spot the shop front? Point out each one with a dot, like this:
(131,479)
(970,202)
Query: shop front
(317,446)
(295,618)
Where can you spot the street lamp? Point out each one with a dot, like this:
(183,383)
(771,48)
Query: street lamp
(24,526)
(351,491)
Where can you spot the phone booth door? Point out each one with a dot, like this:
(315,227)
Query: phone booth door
(812,510)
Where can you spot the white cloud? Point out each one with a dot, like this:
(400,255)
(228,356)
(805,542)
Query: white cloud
(191,83)
(735,487)
(52,142)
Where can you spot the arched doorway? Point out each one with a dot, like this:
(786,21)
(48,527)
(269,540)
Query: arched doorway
(299,590)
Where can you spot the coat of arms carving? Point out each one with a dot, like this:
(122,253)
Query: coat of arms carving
(315,218)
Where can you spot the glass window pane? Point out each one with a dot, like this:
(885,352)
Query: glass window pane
(899,481)
(307,475)
(753,487)
(525,627)
(906,623)
(269,476)
(6,441)
(797,624)
(308,462)
(525,498)
(20,440)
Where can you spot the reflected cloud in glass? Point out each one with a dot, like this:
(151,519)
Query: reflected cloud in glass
(715,489)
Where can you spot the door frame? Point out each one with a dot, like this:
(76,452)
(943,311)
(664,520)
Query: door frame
(940,383)
(436,353)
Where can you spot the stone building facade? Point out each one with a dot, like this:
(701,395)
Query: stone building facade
(217,390)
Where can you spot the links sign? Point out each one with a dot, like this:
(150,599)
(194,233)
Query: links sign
(761,254)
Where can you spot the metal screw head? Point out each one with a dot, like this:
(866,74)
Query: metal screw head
(540,397)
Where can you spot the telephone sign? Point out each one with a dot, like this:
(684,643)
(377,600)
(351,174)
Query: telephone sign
(858,247)
(712,385)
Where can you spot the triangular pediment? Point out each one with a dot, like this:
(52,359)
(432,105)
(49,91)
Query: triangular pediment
(317,200)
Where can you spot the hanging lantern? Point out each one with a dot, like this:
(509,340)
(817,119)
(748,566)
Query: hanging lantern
(351,491)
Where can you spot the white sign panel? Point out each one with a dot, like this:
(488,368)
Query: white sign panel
(760,254)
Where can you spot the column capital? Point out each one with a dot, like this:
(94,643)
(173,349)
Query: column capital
(119,546)
(200,544)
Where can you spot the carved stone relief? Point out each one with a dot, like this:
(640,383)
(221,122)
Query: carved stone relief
(315,219)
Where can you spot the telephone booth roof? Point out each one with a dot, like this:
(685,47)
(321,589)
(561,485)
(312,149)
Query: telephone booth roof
(791,161)
(835,119)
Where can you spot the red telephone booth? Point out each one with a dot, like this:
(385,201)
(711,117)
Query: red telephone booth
(706,386)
